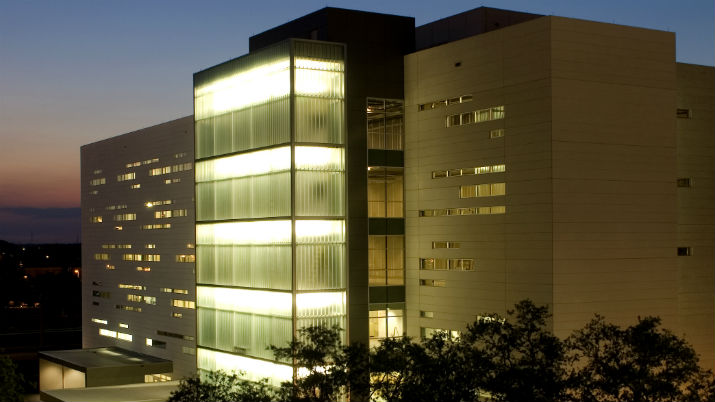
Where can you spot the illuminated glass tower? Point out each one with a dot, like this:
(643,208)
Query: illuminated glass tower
(270,203)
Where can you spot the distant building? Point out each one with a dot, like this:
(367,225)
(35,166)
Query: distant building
(138,250)
(354,170)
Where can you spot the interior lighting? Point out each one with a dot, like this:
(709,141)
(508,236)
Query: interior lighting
(256,232)
(319,158)
(245,300)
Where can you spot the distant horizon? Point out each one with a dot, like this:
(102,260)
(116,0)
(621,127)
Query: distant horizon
(28,225)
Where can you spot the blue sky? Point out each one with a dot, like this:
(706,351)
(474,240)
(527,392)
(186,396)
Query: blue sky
(75,72)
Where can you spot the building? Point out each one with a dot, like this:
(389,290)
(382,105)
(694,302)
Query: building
(352,169)
(138,254)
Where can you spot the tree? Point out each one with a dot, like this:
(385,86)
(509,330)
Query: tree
(521,359)
(328,370)
(222,386)
(11,381)
(640,363)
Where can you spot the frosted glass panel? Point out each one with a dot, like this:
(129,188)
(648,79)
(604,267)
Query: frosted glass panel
(320,83)
(242,88)
(248,164)
(320,193)
(244,333)
(320,231)
(258,232)
(257,266)
(246,197)
(245,300)
(319,120)
(254,369)
(320,266)
(319,158)
(321,308)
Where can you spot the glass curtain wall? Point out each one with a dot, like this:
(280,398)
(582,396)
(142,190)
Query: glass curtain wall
(385,189)
(270,203)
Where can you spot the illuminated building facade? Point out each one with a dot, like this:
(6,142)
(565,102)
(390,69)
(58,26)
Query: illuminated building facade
(270,202)
(138,244)
(353,170)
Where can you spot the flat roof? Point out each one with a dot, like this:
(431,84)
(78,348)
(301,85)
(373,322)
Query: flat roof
(82,359)
(148,392)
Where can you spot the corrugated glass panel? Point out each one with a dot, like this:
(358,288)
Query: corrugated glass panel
(319,120)
(246,197)
(320,254)
(320,308)
(243,333)
(243,165)
(320,193)
(252,369)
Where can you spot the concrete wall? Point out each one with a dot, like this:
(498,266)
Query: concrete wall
(172,143)
(696,229)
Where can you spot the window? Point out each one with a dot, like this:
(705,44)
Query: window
(386,260)
(427,314)
(385,124)
(126,176)
(684,182)
(101,256)
(385,321)
(125,217)
(128,308)
(155,343)
(444,102)
(385,192)
(123,325)
(437,283)
(187,350)
(445,244)
(97,171)
(170,213)
(106,332)
(183,303)
(109,267)
(482,190)
(497,133)
(96,219)
(99,321)
(176,315)
(124,337)
(477,116)
(683,113)
(186,258)
(179,291)
(451,264)
(133,287)
(175,335)
(150,204)
(144,269)
(103,295)
(493,210)
(98,181)
(426,332)
(135,186)
(685,251)
(156,226)
(439,174)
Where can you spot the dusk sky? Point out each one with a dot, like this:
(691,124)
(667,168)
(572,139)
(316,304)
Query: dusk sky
(75,72)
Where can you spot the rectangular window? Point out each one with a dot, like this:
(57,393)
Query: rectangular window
(427,314)
(497,133)
(135,186)
(99,321)
(684,182)
(385,321)
(438,174)
(385,124)
(101,256)
(385,192)
(106,332)
(477,116)
(482,190)
(437,283)
(124,337)
(125,217)
(386,256)
(126,176)
(185,258)
(98,181)
(445,244)
(183,303)
(155,343)
(96,219)
(451,264)
(128,308)
(685,251)
(683,113)
(444,102)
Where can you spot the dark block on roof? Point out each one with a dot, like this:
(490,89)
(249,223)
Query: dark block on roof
(466,24)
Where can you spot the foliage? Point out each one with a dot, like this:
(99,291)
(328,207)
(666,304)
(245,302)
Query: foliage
(222,386)
(520,358)
(642,362)
(515,358)
(331,369)
(11,381)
